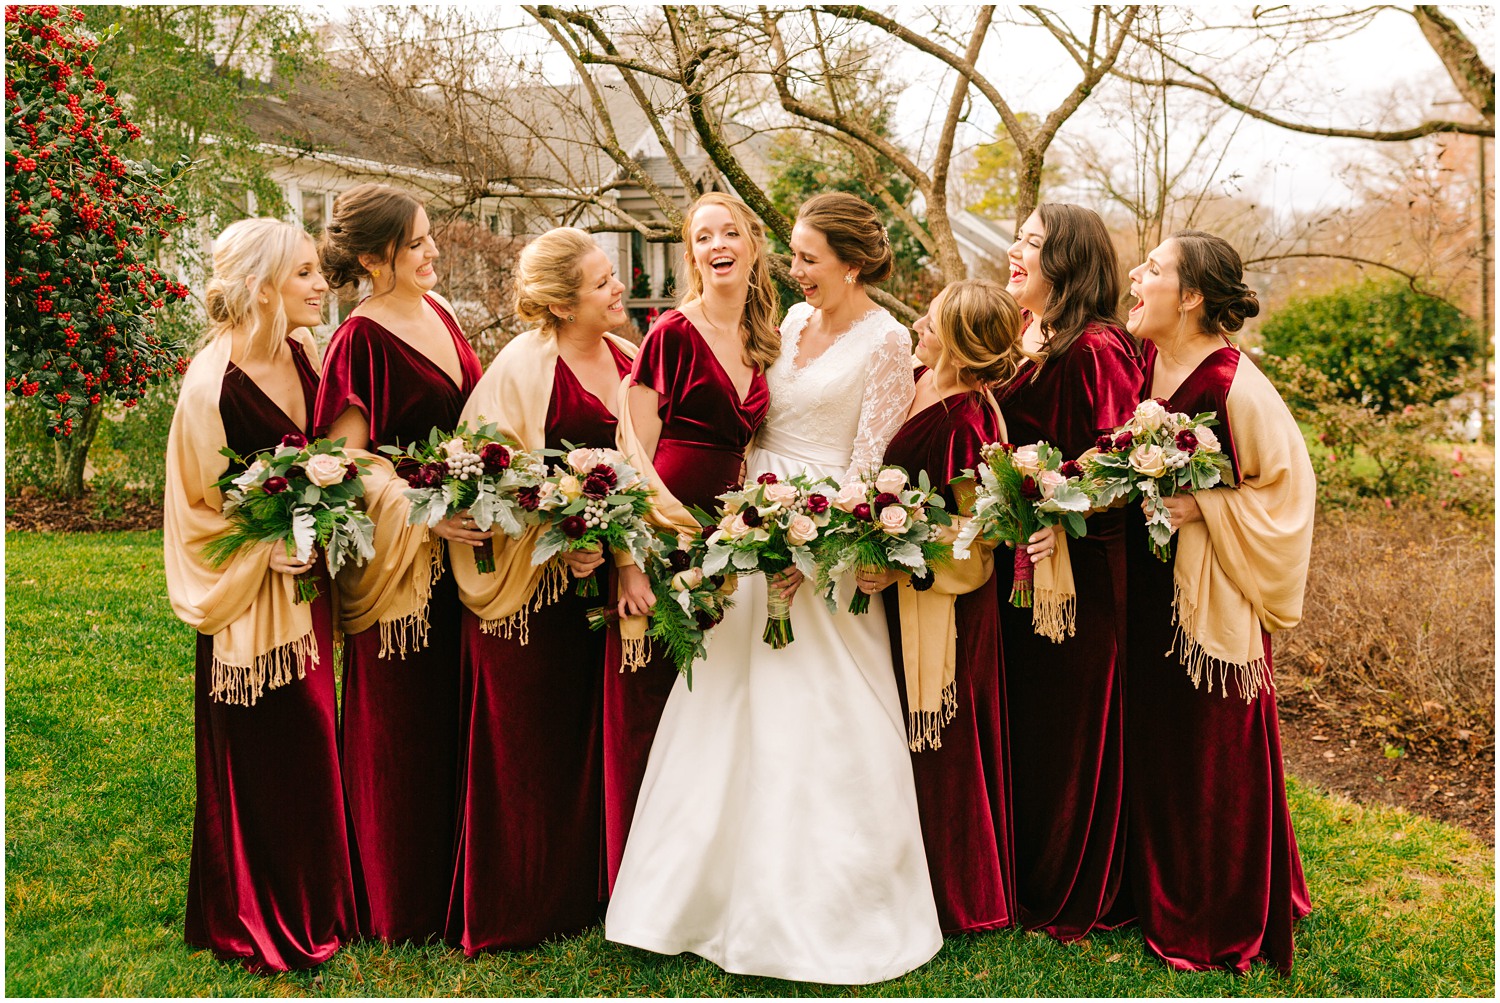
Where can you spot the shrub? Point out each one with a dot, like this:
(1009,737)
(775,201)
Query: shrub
(1368,338)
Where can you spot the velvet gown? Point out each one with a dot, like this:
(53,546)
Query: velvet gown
(269,881)
(705,430)
(530,794)
(1212,858)
(1065,700)
(400,720)
(963,787)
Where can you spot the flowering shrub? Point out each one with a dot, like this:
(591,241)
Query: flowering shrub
(82,286)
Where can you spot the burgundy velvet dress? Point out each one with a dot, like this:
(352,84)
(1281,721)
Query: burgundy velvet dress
(1213,862)
(529,826)
(705,429)
(963,787)
(1065,701)
(400,721)
(269,881)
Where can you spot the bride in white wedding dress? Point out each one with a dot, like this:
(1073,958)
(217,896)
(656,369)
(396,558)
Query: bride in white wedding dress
(776,831)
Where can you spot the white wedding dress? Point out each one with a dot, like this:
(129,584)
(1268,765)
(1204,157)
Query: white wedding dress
(776,831)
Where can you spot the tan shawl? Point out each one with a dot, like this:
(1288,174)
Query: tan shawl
(1244,567)
(262,637)
(515,393)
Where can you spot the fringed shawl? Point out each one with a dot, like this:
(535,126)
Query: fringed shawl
(514,394)
(1244,567)
(261,636)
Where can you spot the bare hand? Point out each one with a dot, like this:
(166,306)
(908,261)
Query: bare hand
(584,561)
(636,597)
(870,581)
(459,528)
(287,564)
(1183,509)
(788,582)
(1042,543)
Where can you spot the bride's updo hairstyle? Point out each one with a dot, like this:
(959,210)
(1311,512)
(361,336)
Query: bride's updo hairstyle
(367,219)
(978,325)
(1211,267)
(253,258)
(853,230)
(549,273)
(761,333)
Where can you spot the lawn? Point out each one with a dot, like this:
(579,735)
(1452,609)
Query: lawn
(99,799)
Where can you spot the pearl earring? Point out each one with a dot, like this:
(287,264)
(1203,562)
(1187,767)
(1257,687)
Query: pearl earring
(571,318)
(848,278)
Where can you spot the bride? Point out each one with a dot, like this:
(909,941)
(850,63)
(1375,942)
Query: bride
(777,832)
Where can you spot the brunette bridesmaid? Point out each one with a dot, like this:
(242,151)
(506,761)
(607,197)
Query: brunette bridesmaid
(530,790)
(698,394)
(969,339)
(397,367)
(1213,861)
(270,882)
(1064,699)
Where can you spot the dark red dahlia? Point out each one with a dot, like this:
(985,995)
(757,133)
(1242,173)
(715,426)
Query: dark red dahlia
(1029,489)
(573,526)
(275,485)
(817,504)
(862,511)
(495,456)
(1072,468)
(1187,441)
(529,498)
(294,439)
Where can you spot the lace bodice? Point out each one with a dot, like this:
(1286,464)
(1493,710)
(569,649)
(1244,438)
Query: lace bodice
(839,410)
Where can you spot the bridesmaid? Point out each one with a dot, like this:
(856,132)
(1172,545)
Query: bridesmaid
(270,881)
(1213,862)
(1065,703)
(968,340)
(698,393)
(529,825)
(397,367)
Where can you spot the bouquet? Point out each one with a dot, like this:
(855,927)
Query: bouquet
(1017,492)
(593,499)
(1154,454)
(302,493)
(882,523)
(767,527)
(480,471)
(689,605)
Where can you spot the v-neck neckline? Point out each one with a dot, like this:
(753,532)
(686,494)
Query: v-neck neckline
(271,400)
(615,355)
(458,384)
(1188,379)
(739,401)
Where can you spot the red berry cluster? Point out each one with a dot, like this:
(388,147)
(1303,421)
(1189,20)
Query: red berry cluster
(84,226)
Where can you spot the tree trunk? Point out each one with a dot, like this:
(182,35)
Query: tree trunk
(1028,185)
(73,454)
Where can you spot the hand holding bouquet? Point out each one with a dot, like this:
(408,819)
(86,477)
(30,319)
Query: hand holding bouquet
(882,523)
(1018,491)
(480,472)
(1156,453)
(593,499)
(303,494)
(767,527)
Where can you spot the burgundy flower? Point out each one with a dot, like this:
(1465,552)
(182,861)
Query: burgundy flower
(432,474)
(704,619)
(885,498)
(1122,442)
(751,517)
(1104,443)
(1007,447)
(414,479)
(1187,441)
(294,439)
(595,486)
(275,485)
(529,498)
(1071,468)
(1163,402)
(605,473)
(495,456)
(295,472)
(679,561)
(573,526)
(705,532)
(352,471)
(817,504)
(1029,489)
(862,511)
(766,478)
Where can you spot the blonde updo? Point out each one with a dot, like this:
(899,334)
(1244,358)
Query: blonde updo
(369,219)
(253,257)
(978,326)
(550,273)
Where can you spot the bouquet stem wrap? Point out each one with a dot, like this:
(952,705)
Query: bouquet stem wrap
(778,633)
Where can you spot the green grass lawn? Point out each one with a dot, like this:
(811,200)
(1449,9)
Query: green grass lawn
(99,802)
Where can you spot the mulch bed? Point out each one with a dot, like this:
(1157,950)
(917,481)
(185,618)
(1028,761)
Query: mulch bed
(1337,743)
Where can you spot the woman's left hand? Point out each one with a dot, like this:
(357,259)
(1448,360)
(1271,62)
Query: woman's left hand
(1183,509)
(870,581)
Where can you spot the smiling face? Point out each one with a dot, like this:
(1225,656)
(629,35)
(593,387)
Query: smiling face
(818,270)
(720,248)
(1027,284)
(929,348)
(601,297)
(1158,307)
(413,267)
(302,292)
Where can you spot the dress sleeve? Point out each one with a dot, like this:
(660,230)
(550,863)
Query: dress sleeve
(964,444)
(657,362)
(888,395)
(346,379)
(1113,378)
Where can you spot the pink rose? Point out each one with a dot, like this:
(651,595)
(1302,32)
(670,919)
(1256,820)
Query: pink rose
(893,520)
(850,495)
(890,480)
(1148,460)
(1206,438)
(1050,480)
(1027,460)
(325,470)
(780,493)
(801,530)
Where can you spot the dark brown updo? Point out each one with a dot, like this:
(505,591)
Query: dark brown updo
(853,230)
(367,219)
(1211,267)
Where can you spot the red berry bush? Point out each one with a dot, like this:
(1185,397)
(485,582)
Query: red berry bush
(82,228)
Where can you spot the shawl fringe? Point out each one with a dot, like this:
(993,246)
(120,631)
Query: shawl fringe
(242,685)
(1054,615)
(635,647)
(549,587)
(1252,677)
(403,634)
(924,728)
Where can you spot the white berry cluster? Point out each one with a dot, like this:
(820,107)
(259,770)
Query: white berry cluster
(465,466)
(594,512)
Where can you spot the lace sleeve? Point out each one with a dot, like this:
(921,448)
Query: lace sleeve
(889,389)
